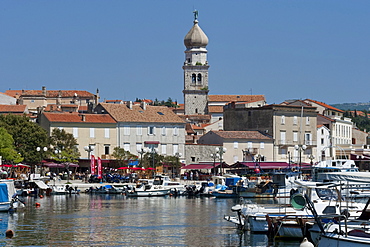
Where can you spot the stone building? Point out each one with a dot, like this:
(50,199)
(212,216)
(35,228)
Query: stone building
(293,128)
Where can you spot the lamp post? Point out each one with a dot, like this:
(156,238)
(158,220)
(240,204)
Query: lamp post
(177,155)
(300,148)
(39,149)
(141,152)
(214,156)
(311,157)
(89,149)
(221,151)
(153,152)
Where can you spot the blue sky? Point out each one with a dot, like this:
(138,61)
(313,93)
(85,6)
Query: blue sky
(134,49)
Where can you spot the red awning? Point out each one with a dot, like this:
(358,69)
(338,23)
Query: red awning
(151,142)
(274,165)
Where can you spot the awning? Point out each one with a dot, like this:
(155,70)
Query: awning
(41,185)
(151,142)
(208,165)
(57,165)
(271,165)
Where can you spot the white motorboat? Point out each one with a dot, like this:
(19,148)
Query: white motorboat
(8,196)
(147,188)
(164,182)
(288,220)
(345,233)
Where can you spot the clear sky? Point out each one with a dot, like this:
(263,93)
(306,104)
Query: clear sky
(134,49)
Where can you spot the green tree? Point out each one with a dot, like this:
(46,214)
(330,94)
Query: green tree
(7,149)
(173,162)
(149,158)
(63,146)
(122,156)
(27,136)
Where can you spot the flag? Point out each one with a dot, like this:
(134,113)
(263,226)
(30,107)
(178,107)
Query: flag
(99,168)
(92,165)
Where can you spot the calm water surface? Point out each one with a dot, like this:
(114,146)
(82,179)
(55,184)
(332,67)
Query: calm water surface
(103,220)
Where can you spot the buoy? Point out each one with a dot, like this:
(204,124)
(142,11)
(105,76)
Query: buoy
(9,233)
(38,204)
(41,196)
(306,243)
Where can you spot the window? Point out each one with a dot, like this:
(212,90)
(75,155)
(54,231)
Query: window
(282,137)
(106,149)
(262,145)
(139,130)
(308,138)
(164,149)
(282,119)
(175,131)
(106,133)
(192,159)
(126,130)
(126,146)
(322,141)
(193,78)
(307,120)
(199,79)
(249,144)
(235,145)
(92,132)
(151,130)
(163,131)
(295,136)
(75,132)
(139,146)
(175,148)
(295,120)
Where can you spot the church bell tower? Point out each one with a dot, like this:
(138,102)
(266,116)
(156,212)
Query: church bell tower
(196,70)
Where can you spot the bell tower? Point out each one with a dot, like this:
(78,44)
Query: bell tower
(195,70)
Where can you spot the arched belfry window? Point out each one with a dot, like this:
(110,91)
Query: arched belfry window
(199,79)
(193,78)
(196,110)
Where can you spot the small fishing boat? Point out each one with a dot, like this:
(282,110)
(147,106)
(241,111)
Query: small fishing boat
(8,196)
(147,189)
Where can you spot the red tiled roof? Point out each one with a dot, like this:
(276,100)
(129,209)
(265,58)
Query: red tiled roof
(249,134)
(50,93)
(216,108)
(13,108)
(327,118)
(78,118)
(325,105)
(237,98)
(152,114)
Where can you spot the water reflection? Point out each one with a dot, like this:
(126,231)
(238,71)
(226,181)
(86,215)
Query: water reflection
(113,220)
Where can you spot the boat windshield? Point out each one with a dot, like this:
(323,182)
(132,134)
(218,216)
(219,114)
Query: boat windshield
(327,194)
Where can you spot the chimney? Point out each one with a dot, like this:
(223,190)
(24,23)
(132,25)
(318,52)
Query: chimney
(44,90)
(129,104)
(83,117)
(143,105)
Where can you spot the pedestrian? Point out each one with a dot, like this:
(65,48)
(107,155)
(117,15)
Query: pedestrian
(191,175)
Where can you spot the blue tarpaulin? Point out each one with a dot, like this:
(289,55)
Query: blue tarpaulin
(4,193)
(133,163)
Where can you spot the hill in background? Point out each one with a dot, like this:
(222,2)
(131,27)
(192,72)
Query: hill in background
(353,106)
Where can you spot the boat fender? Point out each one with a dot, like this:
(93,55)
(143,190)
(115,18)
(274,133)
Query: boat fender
(37,204)
(306,243)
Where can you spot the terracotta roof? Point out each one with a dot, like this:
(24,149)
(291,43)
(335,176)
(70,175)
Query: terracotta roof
(216,108)
(13,108)
(50,93)
(237,98)
(327,118)
(250,134)
(189,129)
(78,118)
(325,105)
(152,114)
(196,127)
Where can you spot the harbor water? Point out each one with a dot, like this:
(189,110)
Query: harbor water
(114,220)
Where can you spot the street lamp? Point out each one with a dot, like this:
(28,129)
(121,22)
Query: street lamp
(300,148)
(214,156)
(153,152)
(89,149)
(220,152)
(141,152)
(39,149)
(177,155)
(311,157)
